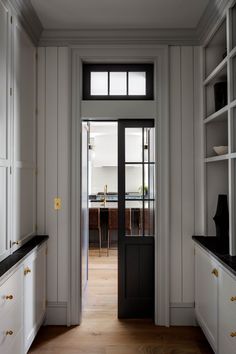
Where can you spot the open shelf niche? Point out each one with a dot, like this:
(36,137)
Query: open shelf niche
(219,121)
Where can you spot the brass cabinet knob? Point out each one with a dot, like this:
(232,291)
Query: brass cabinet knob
(233,298)
(27,270)
(15,243)
(9,333)
(9,297)
(233,334)
(215,272)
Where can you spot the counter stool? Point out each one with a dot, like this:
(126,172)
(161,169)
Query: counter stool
(94,224)
(113,223)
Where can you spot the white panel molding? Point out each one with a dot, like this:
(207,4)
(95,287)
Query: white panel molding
(183,315)
(118,36)
(56,314)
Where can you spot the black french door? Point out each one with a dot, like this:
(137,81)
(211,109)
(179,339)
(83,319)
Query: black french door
(136,167)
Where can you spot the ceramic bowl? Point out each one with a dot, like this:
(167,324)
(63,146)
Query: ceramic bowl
(221,150)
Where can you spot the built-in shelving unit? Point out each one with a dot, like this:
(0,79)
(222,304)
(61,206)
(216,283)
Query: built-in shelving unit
(219,121)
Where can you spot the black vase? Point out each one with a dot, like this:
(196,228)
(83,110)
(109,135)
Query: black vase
(221,219)
(220,93)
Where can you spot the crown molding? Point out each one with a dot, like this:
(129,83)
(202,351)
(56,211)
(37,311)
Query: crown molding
(211,17)
(28,18)
(119,36)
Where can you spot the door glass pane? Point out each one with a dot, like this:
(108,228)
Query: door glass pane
(99,83)
(137,83)
(149,181)
(118,83)
(133,181)
(149,146)
(149,217)
(133,219)
(133,145)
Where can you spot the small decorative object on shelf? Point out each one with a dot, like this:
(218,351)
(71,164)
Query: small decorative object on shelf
(221,219)
(220,150)
(220,94)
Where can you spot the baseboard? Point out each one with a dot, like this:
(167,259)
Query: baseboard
(182,315)
(56,313)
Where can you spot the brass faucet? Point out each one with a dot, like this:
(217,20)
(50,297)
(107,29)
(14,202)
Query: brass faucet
(105,196)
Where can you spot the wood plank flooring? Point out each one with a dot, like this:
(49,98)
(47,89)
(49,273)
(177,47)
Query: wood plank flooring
(102,333)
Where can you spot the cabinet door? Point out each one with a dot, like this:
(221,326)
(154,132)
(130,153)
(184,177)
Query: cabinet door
(227,313)
(206,295)
(4,132)
(40,272)
(30,290)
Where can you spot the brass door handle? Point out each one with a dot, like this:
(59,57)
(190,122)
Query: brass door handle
(9,297)
(233,334)
(233,298)
(27,270)
(9,333)
(215,272)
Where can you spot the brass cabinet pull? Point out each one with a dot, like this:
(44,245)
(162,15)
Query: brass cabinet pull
(9,297)
(233,298)
(9,333)
(215,272)
(233,334)
(27,270)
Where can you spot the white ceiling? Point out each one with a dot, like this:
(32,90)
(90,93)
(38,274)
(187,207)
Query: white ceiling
(119,14)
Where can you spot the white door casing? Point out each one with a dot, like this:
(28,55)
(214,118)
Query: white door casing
(159,56)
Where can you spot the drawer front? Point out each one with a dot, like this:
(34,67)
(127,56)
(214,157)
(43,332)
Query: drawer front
(227,309)
(11,292)
(226,345)
(10,326)
(17,346)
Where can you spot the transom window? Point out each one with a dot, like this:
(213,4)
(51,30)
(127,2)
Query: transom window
(118,81)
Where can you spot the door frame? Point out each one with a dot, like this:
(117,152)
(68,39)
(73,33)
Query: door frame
(158,55)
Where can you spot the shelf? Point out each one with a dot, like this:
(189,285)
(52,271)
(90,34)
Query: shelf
(215,72)
(217,116)
(217,158)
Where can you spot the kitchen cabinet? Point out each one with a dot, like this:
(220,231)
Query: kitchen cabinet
(206,297)
(215,301)
(34,294)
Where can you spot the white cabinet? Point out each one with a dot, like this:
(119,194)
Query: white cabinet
(206,294)
(4,131)
(215,302)
(34,294)
(227,313)
(11,313)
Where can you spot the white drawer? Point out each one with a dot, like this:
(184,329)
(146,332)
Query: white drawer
(11,292)
(10,326)
(226,345)
(17,346)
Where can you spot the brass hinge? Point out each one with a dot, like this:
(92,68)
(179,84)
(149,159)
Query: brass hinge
(11,20)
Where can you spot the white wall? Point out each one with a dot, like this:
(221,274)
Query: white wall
(53,173)
(185,184)
(185,154)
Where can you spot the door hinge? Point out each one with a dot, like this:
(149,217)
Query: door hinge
(11,20)
(10,91)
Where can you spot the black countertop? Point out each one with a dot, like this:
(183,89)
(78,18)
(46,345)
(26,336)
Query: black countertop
(221,253)
(15,257)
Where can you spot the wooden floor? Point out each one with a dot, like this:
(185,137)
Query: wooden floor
(102,333)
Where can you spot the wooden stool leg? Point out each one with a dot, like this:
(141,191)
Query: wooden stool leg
(108,242)
(100,241)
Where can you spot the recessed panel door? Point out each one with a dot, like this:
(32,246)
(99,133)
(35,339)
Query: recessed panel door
(136,202)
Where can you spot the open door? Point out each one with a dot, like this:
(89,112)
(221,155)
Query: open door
(136,160)
(84,210)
